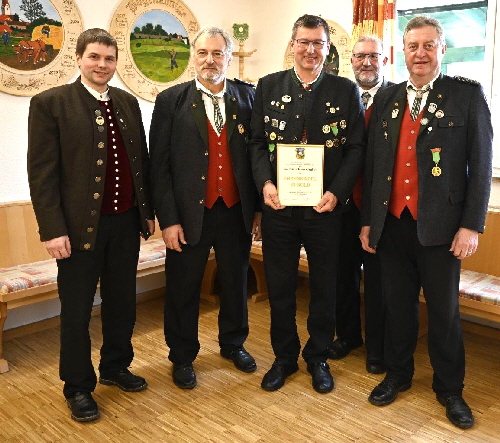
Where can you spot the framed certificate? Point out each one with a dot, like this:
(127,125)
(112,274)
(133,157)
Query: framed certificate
(300,174)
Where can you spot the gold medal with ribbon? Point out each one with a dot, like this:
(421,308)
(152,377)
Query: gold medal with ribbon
(436,170)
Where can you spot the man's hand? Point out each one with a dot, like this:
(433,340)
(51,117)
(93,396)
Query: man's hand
(327,203)
(271,197)
(464,243)
(256,226)
(173,236)
(59,247)
(364,236)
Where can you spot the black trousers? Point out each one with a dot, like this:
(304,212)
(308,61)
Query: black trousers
(351,257)
(282,240)
(114,263)
(224,230)
(408,266)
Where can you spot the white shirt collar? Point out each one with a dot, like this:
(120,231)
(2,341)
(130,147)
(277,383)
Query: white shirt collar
(202,88)
(102,96)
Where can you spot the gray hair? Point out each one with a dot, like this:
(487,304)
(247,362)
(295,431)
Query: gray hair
(371,38)
(212,31)
(421,21)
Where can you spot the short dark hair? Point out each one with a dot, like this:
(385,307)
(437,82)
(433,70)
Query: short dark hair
(421,21)
(311,22)
(95,35)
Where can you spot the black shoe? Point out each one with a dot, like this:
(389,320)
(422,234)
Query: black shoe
(275,377)
(322,380)
(125,380)
(387,391)
(240,357)
(341,348)
(375,366)
(457,410)
(184,376)
(83,407)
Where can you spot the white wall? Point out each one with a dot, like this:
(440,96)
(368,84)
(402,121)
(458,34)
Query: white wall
(270,23)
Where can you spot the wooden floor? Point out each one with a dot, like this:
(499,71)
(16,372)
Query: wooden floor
(229,406)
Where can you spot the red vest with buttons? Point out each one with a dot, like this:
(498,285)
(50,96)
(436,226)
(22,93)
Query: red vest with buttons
(118,188)
(405,176)
(220,181)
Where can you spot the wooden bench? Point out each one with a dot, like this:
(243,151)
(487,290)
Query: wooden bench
(479,282)
(27,276)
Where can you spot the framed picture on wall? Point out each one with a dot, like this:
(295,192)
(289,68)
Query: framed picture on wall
(338,60)
(37,50)
(154,44)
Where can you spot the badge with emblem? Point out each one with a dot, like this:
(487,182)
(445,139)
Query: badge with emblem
(334,129)
(300,153)
(432,108)
(384,123)
(266,119)
(234,117)
(343,140)
(282,125)
(385,135)
(436,170)
(282,106)
(336,142)
(286,99)
(100,128)
(439,114)
(272,136)
(326,129)
(395,113)
(327,103)
(99,120)
(241,129)
(332,110)
(272,103)
(100,145)
(274,122)
(424,121)
(271,147)
(98,112)
(329,143)
(343,124)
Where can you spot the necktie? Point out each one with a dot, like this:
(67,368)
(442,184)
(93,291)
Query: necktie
(366,98)
(218,120)
(415,109)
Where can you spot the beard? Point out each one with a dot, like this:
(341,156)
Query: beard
(367,78)
(214,76)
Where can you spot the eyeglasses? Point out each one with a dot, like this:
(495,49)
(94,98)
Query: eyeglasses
(317,44)
(361,57)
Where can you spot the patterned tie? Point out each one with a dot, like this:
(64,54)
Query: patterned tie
(366,98)
(415,109)
(218,120)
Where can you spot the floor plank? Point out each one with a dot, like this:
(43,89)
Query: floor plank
(229,406)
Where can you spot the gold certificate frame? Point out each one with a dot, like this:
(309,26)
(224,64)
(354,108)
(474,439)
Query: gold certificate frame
(300,174)
(153,42)
(338,60)
(41,57)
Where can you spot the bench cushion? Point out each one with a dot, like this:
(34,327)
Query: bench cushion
(30,275)
(480,287)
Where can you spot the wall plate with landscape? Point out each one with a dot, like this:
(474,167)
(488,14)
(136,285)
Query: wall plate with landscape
(37,46)
(154,44)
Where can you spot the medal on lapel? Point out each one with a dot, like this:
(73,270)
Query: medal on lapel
(436,170)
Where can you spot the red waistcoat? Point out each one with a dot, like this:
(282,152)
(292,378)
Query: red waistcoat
(220,181)
(405,176)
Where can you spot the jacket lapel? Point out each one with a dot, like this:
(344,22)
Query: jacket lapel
(198,112)
(397,111)
(432,104)
(231,102)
